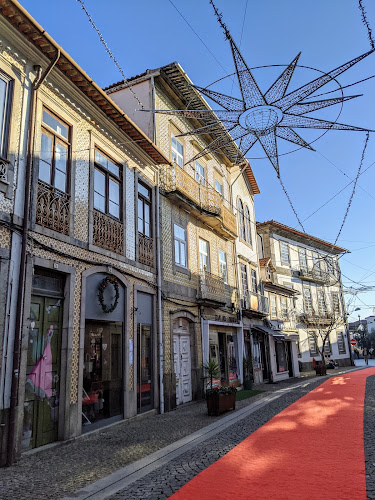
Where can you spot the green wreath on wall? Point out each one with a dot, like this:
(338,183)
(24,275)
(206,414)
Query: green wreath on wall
(102,286)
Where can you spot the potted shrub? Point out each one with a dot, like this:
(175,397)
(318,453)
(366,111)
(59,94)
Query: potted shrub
(219,399)
(248,372)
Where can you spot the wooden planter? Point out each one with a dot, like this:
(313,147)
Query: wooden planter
(218,403)
(320,369)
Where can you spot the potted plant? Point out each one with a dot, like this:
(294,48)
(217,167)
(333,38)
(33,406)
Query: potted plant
(248,372)
(221,398)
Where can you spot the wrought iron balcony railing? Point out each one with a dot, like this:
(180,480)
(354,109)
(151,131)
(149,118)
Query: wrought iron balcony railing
(4,165)
(315,275)
(212,287)
(207,201)
(313,317)
(108,233)
(146,250)
(52,208)
(255,302)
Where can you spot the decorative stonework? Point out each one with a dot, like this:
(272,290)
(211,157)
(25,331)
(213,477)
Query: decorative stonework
(4,238)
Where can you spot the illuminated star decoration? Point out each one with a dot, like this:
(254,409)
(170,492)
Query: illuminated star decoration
(263,117)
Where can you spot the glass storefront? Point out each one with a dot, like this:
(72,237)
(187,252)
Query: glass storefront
(224,350)
(102,396)
(144,379)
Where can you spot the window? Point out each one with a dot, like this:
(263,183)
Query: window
(247,225)
(54,152)
(336,303)
(317,264)
(330,266)
(307,300)
(322,303)
(299,352)
(312,344)
(223,265)
(218,187)
(327,346)
(273,306)
(284,252)
(179,245)
(144,210)
(284,307)
(254,283)
(241,221)
(302,259)
(107,185)
(341,343)
(177,151)
(5,100)
(244,280)
(204,255)
(281,358)
(199,173)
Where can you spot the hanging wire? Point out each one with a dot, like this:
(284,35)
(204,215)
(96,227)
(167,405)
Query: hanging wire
(366,23)
(291,204)
(109,52)
(354,186)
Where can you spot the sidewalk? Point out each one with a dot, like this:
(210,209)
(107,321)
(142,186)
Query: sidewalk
(60,470)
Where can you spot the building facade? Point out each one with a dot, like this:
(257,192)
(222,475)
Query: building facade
(308,267)
(78,323)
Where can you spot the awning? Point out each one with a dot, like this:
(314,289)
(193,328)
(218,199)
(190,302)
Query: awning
(292,336)
(276,334)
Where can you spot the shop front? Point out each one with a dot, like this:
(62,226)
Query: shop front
(103,351)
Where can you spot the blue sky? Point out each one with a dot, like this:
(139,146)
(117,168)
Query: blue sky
(148,34)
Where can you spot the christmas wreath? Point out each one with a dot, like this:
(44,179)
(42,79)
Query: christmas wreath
(103,285)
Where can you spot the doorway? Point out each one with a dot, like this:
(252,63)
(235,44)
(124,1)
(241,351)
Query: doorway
(42,387)
(182,360)
(289,353)
(144,358)
(102,395)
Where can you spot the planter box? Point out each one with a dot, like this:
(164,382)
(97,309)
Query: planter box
(320,369)
(248,385)
(218,403)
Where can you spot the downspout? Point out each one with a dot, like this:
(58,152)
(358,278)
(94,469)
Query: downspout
(11,458)
(158,264)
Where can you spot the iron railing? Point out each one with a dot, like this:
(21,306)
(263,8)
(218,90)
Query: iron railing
(52,208)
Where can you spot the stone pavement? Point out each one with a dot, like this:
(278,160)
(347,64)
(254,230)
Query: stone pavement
(61,470)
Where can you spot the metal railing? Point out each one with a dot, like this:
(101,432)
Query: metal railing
(255,302)
(52,208)
(107,232)
(212,287)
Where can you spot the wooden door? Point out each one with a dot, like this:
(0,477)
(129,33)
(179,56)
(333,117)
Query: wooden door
(182,360)
(43,372)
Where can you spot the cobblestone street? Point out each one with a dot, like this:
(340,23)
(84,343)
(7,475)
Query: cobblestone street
(61,470)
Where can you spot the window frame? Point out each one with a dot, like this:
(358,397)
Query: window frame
(302,253)
(179,241)
(221,191)
(272,298)
(201,179)
(254,280)
(5,121)
(284,312)
(322,302)
(177,153)
(307,310)
(341,338)
(334,303)
(284,243)
(312,339)
(247,221)
(57,138)
(241,220)
(145,201)
(223,266)
(244,280)
(208,267)
(108,176)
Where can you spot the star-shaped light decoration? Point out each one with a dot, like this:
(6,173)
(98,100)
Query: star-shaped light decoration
(263,117)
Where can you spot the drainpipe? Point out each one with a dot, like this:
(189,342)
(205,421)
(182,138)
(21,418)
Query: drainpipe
(11,456)
(158,263)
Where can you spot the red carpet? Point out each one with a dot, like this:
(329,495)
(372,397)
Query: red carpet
(312,450)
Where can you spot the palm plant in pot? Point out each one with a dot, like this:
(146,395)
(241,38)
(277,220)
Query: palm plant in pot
(221,398)
(248,372)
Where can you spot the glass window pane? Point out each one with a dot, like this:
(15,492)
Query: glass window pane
(61,157)
(114,192)
(144,191)
(99,182)
(46,148)
(147,229)
(55,124)
(113,168)
(179,232)
(147,213)
(140,209)
(101,159)
(140,225)
(60,180)
(182,254)
(218,187)
(177,252)
(99,202)
(45,172)
(114,209)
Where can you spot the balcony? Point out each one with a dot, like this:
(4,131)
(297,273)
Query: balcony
(312,317)
(108,233)
(52,208)
(314,275)
(201,201)
(254,305)
(145,250)
(211,289)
